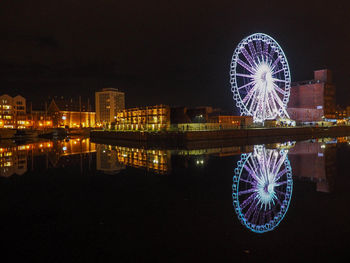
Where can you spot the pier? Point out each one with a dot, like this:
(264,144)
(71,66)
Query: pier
(237,136)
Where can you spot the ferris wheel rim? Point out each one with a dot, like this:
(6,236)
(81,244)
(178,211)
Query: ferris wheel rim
(271,43)
(272,224)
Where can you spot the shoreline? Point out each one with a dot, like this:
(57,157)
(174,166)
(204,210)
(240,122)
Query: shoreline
(208,139)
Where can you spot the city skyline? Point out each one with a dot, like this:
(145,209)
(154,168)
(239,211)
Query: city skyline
(157,52)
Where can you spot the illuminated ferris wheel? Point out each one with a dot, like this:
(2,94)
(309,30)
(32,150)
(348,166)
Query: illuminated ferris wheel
(262,188)
(260,78)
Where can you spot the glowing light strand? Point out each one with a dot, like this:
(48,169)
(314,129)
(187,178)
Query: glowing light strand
(262,188)
(259,58)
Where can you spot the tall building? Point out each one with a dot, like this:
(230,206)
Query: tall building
(313,100)
(13,112)
(108,102)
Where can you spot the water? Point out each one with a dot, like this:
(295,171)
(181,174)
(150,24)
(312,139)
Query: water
(80,201)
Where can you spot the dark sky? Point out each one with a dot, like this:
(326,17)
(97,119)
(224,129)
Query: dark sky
(170,52)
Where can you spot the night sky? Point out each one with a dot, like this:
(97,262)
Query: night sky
(169,52)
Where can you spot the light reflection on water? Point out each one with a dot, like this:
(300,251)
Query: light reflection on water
(14,158)
(262,180)
(262,188)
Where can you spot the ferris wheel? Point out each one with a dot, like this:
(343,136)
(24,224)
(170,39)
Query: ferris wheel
(262,188)
(260,78)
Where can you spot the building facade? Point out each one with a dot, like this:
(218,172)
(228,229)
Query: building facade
(68,113)
(143,118)
(313,100)
(108,102)
(13,112)
(237,121)
(40,119)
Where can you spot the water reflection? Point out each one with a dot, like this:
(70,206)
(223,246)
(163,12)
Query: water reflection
(315,161)
(262,183)
(112,159)
(262,188)
(107,160)
(14,159)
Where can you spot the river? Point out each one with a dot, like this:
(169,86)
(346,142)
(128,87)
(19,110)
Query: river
(74,200)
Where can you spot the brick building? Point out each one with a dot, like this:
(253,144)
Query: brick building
(313,100)
(70,113)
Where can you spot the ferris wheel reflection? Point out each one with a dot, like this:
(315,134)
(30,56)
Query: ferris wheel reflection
(262,188)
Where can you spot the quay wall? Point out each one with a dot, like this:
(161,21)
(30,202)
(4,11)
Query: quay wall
(243,135)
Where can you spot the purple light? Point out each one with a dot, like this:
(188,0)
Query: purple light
(262,188)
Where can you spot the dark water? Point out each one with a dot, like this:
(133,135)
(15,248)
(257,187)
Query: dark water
(83,202)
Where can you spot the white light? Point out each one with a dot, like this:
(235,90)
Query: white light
(64,148)
(260,78)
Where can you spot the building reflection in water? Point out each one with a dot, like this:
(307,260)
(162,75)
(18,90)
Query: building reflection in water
(107,160)
(111,159)
(262,188)
(315,161)
(262,184)
(15,159)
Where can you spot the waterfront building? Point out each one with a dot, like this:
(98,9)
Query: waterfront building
(199,114)
(108,102)
(40,119)
(69,113)
(231,120)
(313,100)
(348,111)
(163,117)
(13,112)
(340,113)
(143,118)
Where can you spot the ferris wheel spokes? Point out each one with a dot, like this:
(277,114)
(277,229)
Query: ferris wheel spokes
(259,58)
